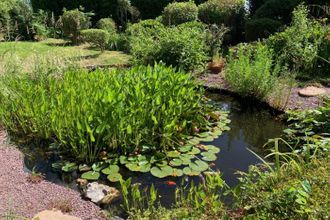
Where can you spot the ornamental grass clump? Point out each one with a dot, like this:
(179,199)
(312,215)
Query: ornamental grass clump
(122,111)
(252,71)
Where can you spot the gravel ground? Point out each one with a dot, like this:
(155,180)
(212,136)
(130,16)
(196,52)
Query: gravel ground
(295,101)
(25,199)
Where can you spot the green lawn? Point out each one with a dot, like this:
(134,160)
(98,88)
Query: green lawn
(85,55)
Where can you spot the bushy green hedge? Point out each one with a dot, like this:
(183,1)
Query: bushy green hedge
(251,70)
(180,12)
(298,45)
(96,37)
(261,28)
(107,24)
(227,12)
(118,111)
(183,46)
(73,22)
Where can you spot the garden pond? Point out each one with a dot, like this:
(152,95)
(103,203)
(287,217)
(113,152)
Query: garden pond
(250,127)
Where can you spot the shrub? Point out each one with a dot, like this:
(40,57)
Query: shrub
(261,28)
(119,111)
(219,11)
(298,51)
(96,37)
(251,71)
(227,12)
(180,12)
(73,22)
(183,45)
(107,24)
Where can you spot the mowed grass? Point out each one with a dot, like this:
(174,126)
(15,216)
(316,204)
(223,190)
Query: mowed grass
(83,54)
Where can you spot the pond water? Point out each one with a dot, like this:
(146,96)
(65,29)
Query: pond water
(251,126)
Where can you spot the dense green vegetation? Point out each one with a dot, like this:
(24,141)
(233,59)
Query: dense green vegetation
(153,116)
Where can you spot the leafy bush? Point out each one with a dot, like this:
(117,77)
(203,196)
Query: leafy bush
(219,11)
(227,12)
(298,51)
(180,12)
(183,45)
(107,24)
(251,71)
(261,28)
(73,22)
(96,37)
(118,110)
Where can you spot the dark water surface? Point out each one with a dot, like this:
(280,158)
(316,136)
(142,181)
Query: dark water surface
(251,126)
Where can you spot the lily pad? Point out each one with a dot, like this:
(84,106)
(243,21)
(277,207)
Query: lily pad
(176,162)
(111,169)
(199,166)
(69,167)
(212,149)
(177,172)
(185,149)
(161,172)
(208,156)
(173,153)
(188,171)
(91,175)
(203,135)
(133,167)
(98,166)
(207,139)
(145,168)
(194,141)
(194,151)
(114,177)
(226,128)
(84,168)
(162,163)
(123,160)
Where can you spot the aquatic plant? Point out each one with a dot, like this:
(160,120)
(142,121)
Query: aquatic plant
(144,117)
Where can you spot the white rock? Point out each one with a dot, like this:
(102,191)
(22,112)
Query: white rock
(311,91)
(101,194)
(54,215)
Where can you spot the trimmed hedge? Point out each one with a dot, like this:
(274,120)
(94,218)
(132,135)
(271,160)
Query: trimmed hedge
(180,12)
(96,37)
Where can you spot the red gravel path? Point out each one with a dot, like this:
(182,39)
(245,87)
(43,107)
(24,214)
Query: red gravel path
(26,199)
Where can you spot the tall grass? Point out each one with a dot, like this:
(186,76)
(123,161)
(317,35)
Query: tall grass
(251,70)
(117,110)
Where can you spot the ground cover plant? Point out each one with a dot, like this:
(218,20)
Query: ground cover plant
(150,112)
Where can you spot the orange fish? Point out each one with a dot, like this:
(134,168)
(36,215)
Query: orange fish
(171,183)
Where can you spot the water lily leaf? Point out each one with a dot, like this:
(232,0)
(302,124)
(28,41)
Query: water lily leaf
(69,167)
(111,169)
(58,165)
(114,177)
(203,135)
(177,172)
(123,160)
(161,172)
(194,151)
(84,168)
(208,156)
(176,162)
(185,149)
(185,161)
(133,167)
(141,158)
(226,128)
(194,141)
(91,175)
(207,139)
(188,171)
(199,166)
(162,163)
(217,133)
(186,156)
(173,153)
(212,149)
(98,166)
(145,168)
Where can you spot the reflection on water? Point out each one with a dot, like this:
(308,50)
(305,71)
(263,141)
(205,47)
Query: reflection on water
(251,126)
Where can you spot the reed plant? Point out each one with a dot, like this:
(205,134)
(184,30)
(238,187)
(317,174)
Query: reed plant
(120,111)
